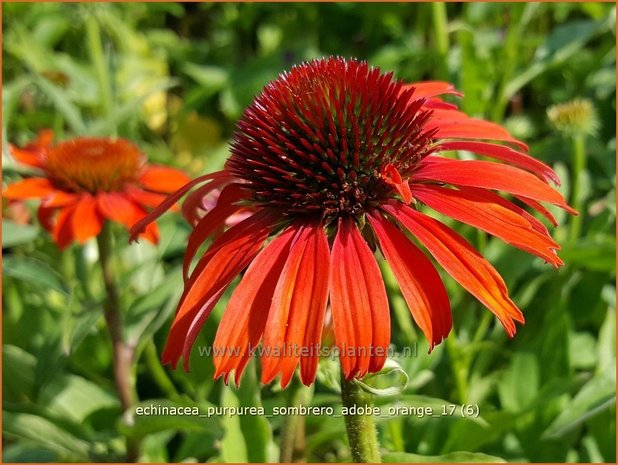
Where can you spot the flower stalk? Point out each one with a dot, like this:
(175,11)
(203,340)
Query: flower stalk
(361,429)
(440,28)
(579,167)
(122,353)
(292,446)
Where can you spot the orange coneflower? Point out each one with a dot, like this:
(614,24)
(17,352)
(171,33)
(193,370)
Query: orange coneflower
(332,159)
(85,181)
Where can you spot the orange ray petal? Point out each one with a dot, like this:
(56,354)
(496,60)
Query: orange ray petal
(87,221)
(539,208)
(140,226)
(146,198)
(215,219)
(472,209)
(163,179)
(464,263)
(359,304)
(418,279)
(62,232)
(451,124)
(488,175)
(27,156)
(225,258)
(506,154)
(431,89)
(245,316)
(299,303)
(30,188)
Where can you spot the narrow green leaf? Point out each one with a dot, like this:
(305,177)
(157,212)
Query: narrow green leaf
(44,432)
(156,415)
(595,396)
(15,234)
(33,271)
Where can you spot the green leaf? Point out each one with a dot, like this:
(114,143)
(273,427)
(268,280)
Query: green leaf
(255,428)
(607,341)
(64,105)
(73,397)
(15,234)
(391,380)
(595,396)
(150,311)
(564,42)
(45,433)
(597,254)
(453,457)
(17,373)
(210,78)
(520,383)
(27,453)
(162,415)
(234,447)
(121,114)
(33,271)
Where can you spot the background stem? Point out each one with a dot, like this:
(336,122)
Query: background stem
(123,354)
(362,433)
(577,201)
(440,29)
(292,448)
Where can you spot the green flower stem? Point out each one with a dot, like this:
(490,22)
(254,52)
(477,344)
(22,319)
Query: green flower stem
(123,353)
(440,29)
(577,201)
(292,447)
(362,433)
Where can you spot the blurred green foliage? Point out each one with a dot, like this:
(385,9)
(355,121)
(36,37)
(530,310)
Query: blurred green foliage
(174,78)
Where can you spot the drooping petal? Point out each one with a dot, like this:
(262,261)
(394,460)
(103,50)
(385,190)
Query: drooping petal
(539,208)
(418,280)
(120,208)
(162,179)
(31,157)
(492,197)
(117,207)
(30,188)
(506,154)
(87,220)
(436,103)
(45,216)
(221,263)
(192,207)
(215,219)
(60,199)
(62,232)
(464,263)
(140,226)
(358,300)
(145,198)
(493,218)
(296,315)
(451,124)
(33,153)
(431,89)
(244,319)
(488,175)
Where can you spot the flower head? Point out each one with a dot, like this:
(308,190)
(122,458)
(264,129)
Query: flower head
(575,117)
(333,160)
(85,181)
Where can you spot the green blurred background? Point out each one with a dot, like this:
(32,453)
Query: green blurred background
(174,78)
